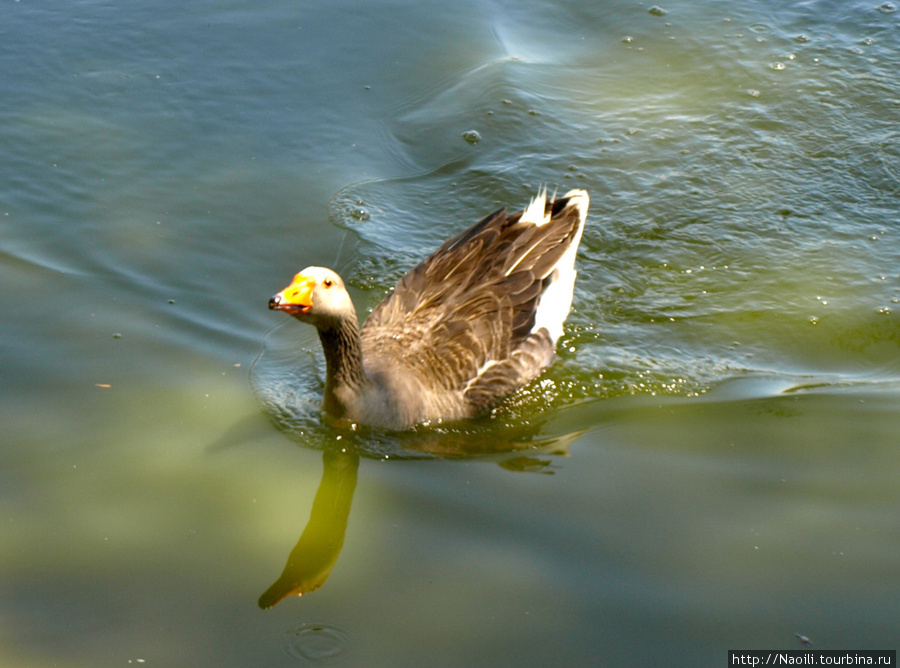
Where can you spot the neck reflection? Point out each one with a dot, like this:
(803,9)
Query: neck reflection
(315,554)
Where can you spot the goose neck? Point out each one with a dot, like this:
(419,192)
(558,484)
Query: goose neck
(344,375)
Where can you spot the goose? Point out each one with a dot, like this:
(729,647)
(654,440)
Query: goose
(473,322)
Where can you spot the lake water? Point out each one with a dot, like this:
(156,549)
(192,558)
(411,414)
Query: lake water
(712,463)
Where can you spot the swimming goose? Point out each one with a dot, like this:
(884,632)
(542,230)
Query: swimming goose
(476,320)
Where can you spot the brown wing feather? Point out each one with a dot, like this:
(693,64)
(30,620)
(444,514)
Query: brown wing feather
(471,303)
(503,378)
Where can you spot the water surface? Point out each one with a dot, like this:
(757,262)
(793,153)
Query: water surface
(711,463)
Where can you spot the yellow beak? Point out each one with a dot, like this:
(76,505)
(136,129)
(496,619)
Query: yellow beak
(297,297)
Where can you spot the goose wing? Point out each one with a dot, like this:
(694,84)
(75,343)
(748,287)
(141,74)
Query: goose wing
(463,320)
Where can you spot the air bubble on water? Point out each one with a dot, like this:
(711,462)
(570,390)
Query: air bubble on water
(657,11)
(776,66)
(887,7)
(315,643)
(471,136)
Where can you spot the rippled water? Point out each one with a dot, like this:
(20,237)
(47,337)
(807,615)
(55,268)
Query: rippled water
(711,463)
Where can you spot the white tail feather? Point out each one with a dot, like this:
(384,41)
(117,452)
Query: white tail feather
(556,300)
(535,212)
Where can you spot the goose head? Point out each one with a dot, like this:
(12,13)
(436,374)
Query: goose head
(317,296)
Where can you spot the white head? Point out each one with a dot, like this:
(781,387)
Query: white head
(316,295)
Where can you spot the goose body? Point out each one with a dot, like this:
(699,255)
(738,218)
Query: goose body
(473,322)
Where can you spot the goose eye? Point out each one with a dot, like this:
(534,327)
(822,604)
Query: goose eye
(327,282)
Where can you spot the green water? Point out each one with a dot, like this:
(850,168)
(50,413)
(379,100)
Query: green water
(711,463)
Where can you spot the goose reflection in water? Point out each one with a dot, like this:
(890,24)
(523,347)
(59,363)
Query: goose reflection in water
(315,554)
(311,561)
